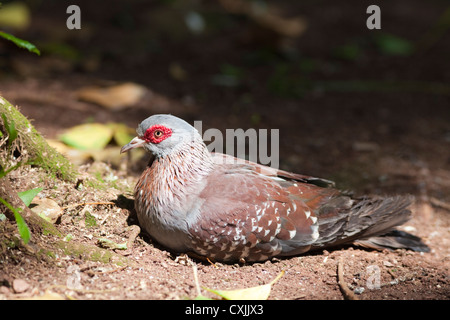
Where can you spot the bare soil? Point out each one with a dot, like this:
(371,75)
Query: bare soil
(370,141)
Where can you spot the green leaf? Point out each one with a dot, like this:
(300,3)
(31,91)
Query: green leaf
(28,195)
(22,227)
(253,293)
(351,52)
(393,45)
(21,224)
(20,43)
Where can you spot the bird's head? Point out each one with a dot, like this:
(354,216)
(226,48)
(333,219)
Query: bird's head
(163,135)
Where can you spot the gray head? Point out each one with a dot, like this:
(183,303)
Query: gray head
(163,134)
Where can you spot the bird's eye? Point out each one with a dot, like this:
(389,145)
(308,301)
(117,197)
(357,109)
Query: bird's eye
(158,133)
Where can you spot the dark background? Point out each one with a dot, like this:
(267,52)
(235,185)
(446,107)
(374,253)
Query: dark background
(369,109)
(351,103)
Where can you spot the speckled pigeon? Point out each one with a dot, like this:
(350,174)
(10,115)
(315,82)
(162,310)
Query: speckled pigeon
(229,209)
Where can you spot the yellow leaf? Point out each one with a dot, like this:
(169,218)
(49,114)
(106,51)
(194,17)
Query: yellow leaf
(115,97)
(122,133)
(75,156)
(253,293)
(90,136)
(15,15)
(48,295)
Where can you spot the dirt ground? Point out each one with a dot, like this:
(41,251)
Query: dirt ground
(388,139)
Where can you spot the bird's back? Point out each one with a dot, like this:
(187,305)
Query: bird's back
(253,213)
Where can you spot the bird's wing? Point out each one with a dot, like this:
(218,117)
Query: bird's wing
(246,214)
(221,159)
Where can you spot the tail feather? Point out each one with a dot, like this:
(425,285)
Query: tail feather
(394,239)
(367,222)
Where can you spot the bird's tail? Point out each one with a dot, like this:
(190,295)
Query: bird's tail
(369,222)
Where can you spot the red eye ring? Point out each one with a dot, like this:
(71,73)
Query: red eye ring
(157,133)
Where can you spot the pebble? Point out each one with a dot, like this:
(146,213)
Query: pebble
(387,264)
(47,209)
(359,290)
(20,285)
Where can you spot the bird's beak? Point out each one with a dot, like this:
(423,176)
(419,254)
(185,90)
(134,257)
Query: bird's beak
(135,143)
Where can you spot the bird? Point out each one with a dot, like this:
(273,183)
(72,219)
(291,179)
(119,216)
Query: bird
(191,200)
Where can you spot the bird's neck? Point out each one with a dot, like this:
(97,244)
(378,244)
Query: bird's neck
(183,168)
(170,183)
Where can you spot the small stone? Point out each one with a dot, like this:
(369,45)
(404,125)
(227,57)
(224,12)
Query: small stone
(359,290)
(47,209)
(20,285)
(4,290)
(387,264)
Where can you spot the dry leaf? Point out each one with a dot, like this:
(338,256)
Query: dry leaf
(75,156)
(115,97)
(48,295)
(89,136)
(253,293)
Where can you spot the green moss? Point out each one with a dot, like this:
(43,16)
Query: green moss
(95,183)
(89,220)
(29,147)
(93,253)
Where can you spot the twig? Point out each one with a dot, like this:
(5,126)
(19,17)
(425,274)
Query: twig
(346,292)
(86,204)
(212,263)
(197,284)
(439,203)
(92,273)
(55,286)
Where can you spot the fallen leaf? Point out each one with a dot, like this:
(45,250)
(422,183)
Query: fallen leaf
(115,97)
(122,134)
(15,15)
(28,195)
(79,147)
(253,293)
(89,136)
(75,156)
(48,295)
(108,155)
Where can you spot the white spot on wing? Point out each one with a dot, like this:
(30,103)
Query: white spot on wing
(278,228)
(307,213)
(315,230)
(292,233)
